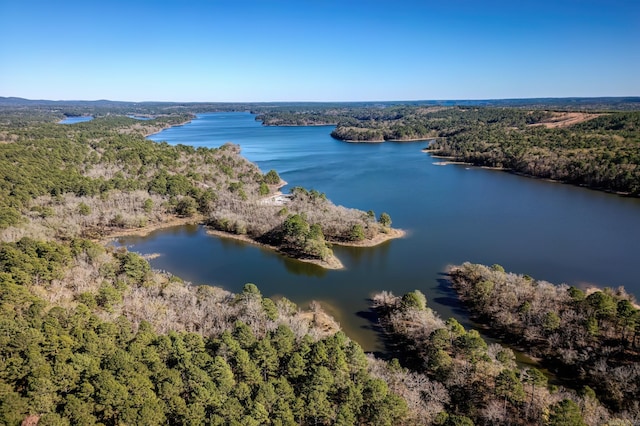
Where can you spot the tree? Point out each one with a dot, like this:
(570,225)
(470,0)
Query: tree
(186,207)
(385,220)
(551,322)
(84,209)
(509,387)
(534,377)
(565,413)
(295,229)
(147,206)
(272,177)
(414,300)
(602,304)
(356,233)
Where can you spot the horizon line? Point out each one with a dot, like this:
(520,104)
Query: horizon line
(329,101)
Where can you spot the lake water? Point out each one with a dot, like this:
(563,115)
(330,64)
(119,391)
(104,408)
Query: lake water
(554,232)
(76,119)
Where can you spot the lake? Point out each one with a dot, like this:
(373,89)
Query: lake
(551,231)
(76,119)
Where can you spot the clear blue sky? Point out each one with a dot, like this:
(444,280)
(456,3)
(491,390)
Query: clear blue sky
(318,50)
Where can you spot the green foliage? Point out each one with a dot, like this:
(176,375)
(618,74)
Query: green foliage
(186,207)
(555,323)
(72,368)
(108,296)
(9,216)
(385,220)
(272,178)
(134,267)
(551,322)
(565,413)
(497,268)
(84,209)
(264,189)
(414,300)
(148,205)
(356,233)
(305,239)
(33,262)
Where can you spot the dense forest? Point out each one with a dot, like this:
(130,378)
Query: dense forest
(112,342)
(90,334)
(602,152)
(480,383)
(590,337)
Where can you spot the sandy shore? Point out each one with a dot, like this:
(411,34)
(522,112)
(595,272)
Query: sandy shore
(387,140)
(378,239)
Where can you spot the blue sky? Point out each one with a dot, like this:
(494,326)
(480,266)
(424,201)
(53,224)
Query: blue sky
(318,50)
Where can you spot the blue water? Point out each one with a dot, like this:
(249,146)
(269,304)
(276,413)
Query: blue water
(76,119)
(551,231)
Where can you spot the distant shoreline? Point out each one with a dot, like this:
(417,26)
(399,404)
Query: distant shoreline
(168,126)
(452,160)
(384,140)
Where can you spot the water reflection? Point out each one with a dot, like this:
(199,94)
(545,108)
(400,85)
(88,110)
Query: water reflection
(303,268)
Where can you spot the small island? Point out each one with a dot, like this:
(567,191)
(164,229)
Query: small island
(301,225)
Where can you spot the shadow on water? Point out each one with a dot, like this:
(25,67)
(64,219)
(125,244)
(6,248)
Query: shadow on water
(355,256)
(450,299)
(298,267)
(395,346)
(390,346)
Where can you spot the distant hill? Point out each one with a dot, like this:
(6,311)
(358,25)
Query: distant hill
(616,103)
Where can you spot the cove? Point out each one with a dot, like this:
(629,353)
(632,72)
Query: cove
(551,231)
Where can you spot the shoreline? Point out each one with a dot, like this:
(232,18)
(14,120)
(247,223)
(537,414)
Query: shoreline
(517,173)
(147,230)
(589,288)
(377,240)
(168,126)
(385,140)
(331,263)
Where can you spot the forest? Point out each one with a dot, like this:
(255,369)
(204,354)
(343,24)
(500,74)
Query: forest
(481,383)
(590,337)
(91,334)
(595,145)
(95,177)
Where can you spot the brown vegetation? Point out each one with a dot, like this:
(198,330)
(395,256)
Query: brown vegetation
(592,339)
(565,119)
(472,379)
